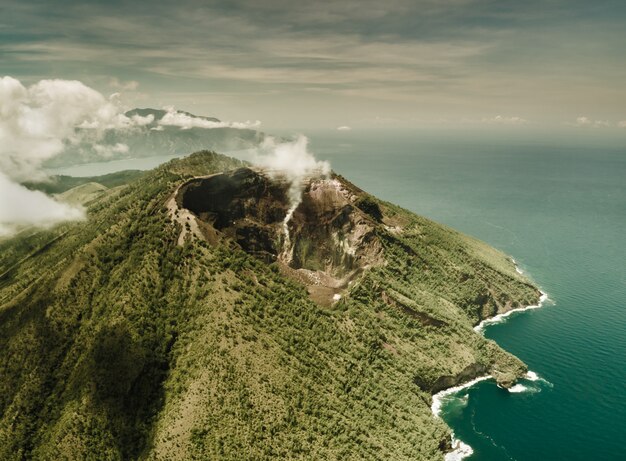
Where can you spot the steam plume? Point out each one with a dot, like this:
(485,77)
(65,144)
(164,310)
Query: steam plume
(293,161)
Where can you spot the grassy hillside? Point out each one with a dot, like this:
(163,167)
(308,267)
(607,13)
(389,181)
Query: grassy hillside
(118,343)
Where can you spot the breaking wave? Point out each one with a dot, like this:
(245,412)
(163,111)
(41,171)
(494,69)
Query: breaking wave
(460,450)
(533,383)
(440,397)
(518,388)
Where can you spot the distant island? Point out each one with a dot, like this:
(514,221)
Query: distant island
(199,314)
(159,132)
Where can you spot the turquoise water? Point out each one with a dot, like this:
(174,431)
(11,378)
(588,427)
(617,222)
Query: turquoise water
(561,212)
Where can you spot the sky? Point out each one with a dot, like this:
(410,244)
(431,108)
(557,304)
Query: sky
(327,64)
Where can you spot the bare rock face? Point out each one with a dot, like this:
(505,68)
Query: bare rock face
(505,380)
(329,233)
(332,232)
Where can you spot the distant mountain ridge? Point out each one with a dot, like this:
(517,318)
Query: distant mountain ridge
(152,138)
(158,114)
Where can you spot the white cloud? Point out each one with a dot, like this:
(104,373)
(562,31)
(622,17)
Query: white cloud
(503,120)
(142,121)
(622,124)
(36,124)
(20,207)
(130,85)
(109,150)
(186,121)
(344,128)
(583,121)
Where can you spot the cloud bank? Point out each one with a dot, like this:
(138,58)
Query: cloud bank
(36,124)
(140,120)
(41,121)
(20,207)
(186,121)
(583,121)
(504,120)
(426,59)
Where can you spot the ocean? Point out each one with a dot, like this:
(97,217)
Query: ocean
(558,206)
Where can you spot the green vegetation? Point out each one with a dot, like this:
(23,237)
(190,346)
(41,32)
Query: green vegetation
(369,205)
(117,343)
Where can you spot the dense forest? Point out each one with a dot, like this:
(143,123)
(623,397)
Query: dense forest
(119,343)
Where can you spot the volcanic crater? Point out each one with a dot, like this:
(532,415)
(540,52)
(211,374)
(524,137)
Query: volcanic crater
(330,238)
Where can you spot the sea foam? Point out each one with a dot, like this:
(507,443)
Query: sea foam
(535,378)
(518,388)
(502,317)
(440,396)
(460,450)
(534,384)
(532,376)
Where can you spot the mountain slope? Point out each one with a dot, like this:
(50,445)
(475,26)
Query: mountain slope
(122,340)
